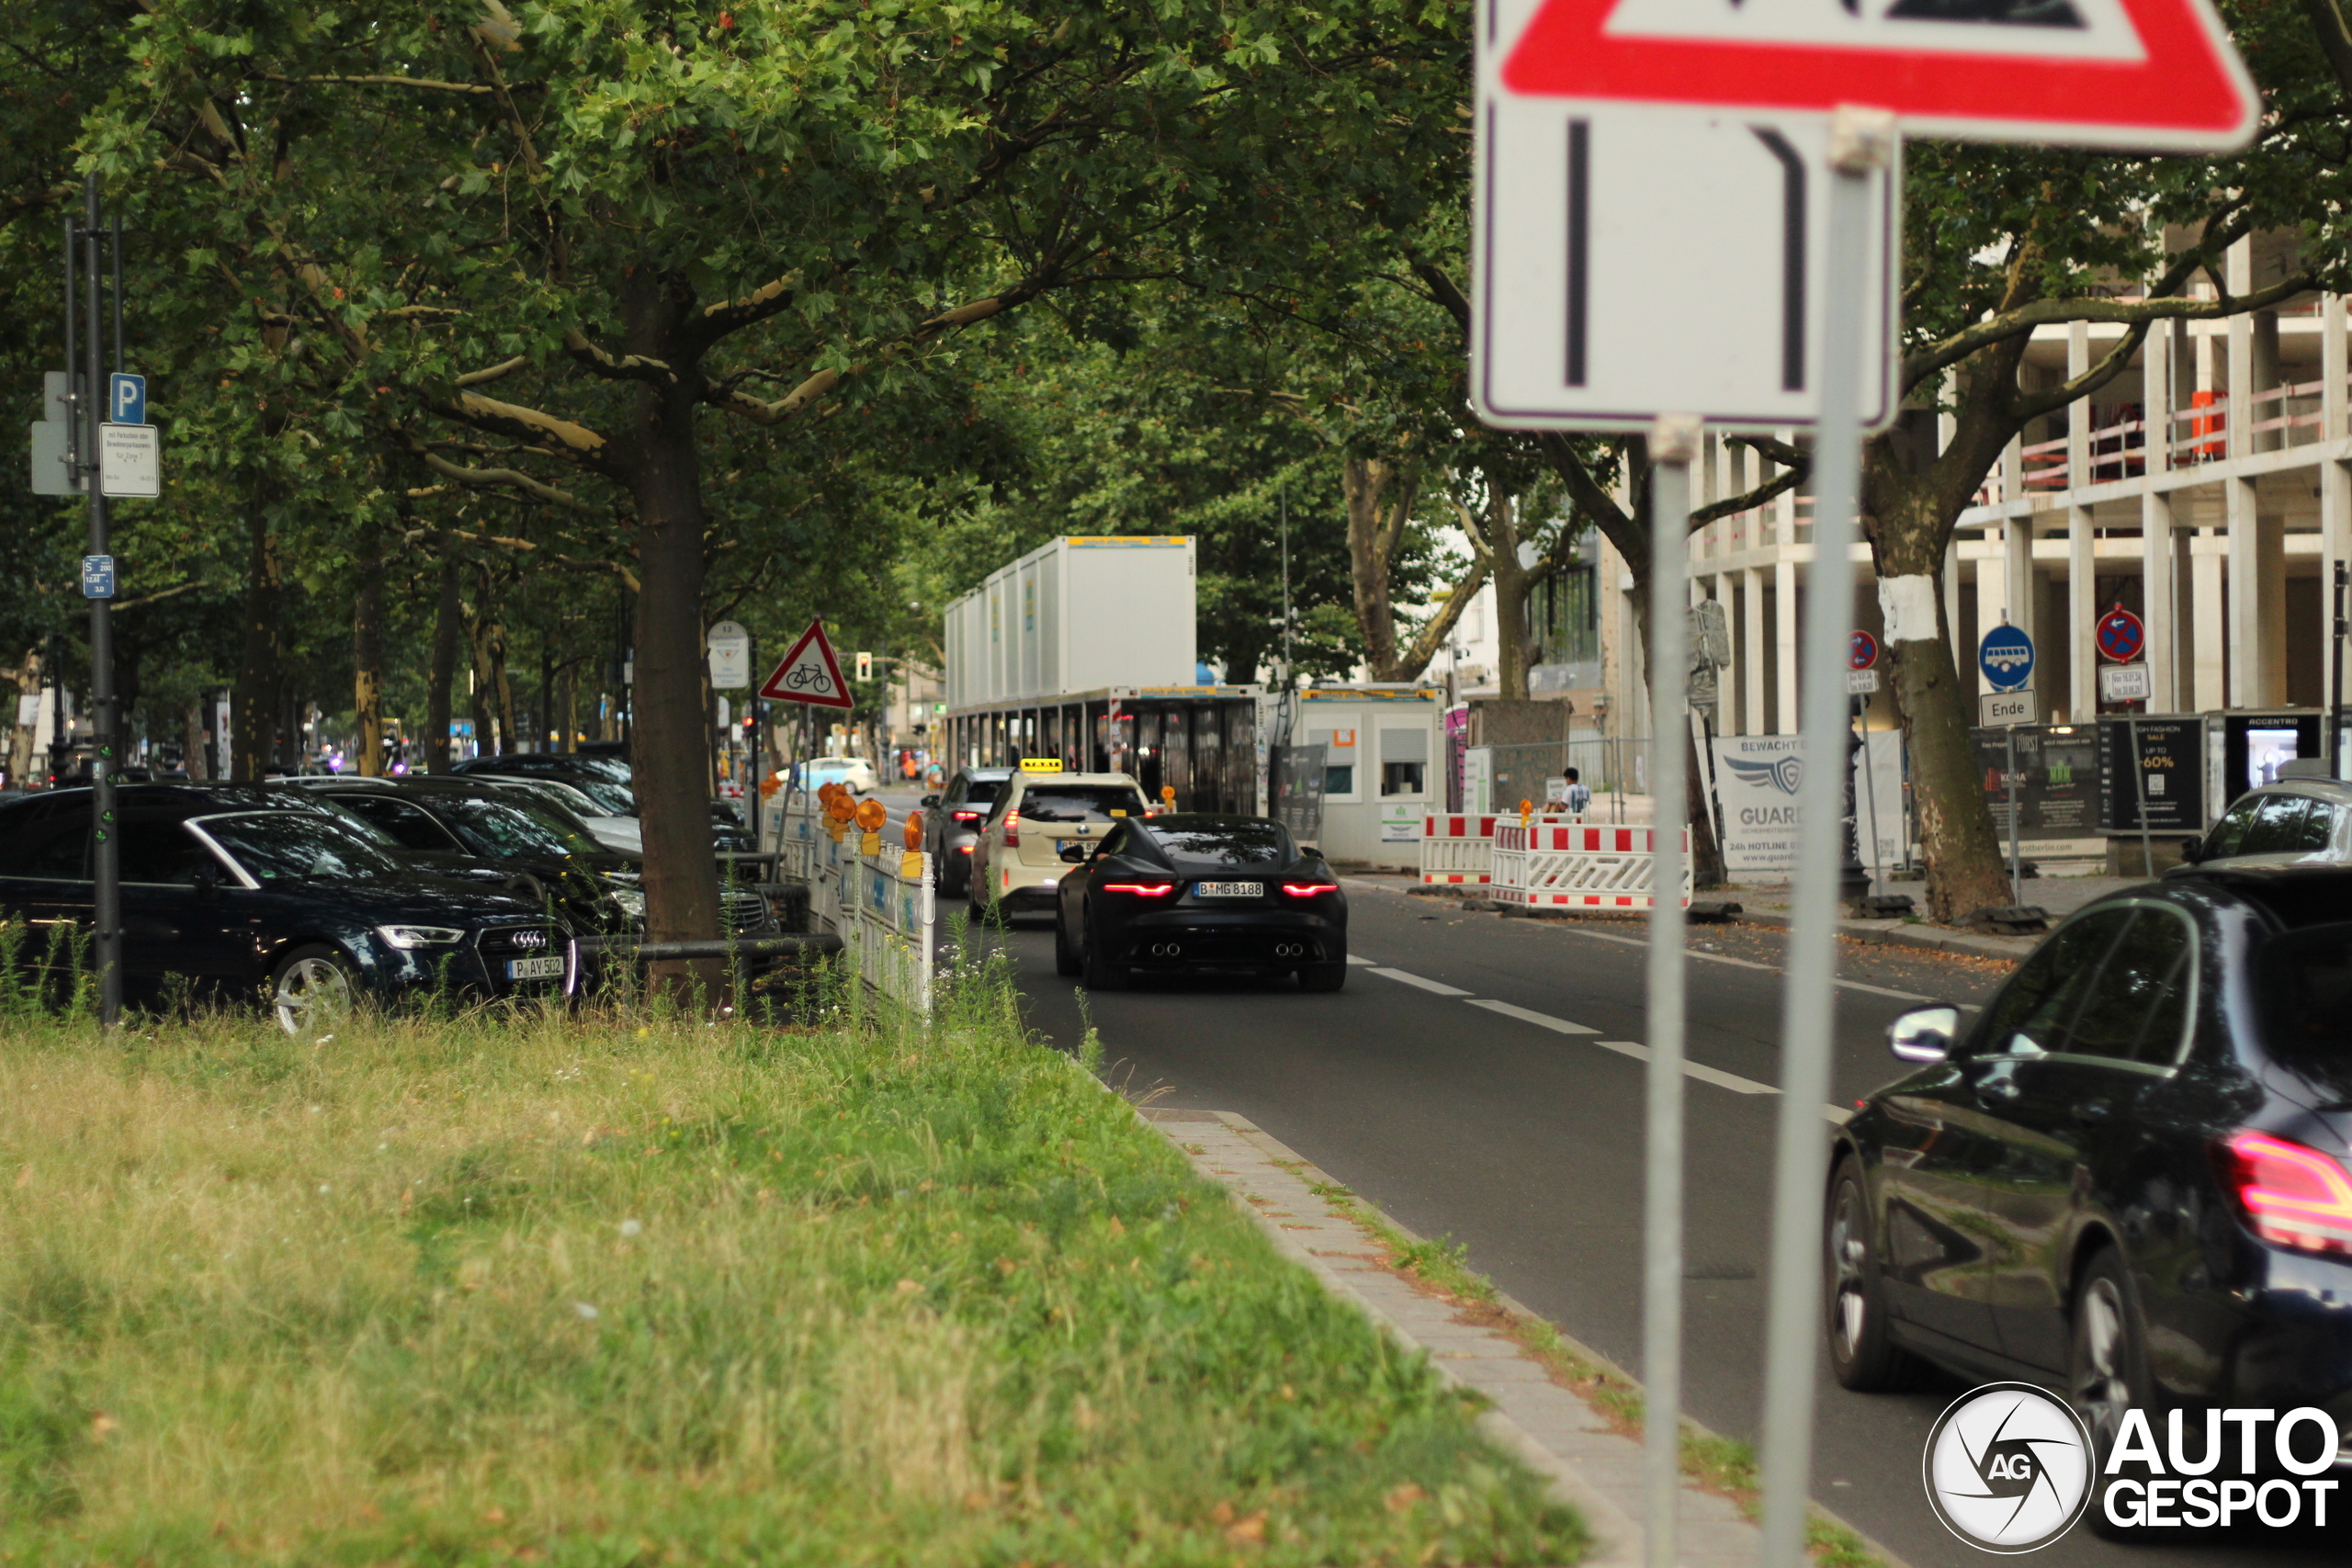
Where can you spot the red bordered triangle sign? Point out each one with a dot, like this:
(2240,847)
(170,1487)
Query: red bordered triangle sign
(810,674)
(2153,73)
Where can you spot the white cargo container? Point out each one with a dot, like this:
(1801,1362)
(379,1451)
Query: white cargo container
(1077,614)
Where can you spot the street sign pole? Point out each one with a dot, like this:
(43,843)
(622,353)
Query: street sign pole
(1674,443)
(106,845)
(2017,882)
(1861,141)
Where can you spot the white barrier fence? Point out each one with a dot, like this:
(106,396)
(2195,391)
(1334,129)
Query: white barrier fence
(888,922)
(1457,847)
(1559,863)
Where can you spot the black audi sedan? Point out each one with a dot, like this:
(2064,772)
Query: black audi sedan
(231,891)
(2128,1178)
(1197,892)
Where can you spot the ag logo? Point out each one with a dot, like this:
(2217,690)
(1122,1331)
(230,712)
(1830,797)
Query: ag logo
(2008,1468)
(1786,775)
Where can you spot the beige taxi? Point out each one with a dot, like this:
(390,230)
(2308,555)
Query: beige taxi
(1044,823)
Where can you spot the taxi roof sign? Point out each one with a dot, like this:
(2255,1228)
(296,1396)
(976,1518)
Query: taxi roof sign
(1041,764)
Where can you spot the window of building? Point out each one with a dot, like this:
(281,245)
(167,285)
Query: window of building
(1404,762)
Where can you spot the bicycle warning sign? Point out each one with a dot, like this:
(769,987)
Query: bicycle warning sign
(810,674)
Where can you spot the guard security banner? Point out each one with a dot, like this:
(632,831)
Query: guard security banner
(1757,778)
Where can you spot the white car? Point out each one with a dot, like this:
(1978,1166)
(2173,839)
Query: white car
(1017,858)
(621,833)
(853,773)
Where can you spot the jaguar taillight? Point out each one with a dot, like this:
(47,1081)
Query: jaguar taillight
(1141,889)
(1309,889)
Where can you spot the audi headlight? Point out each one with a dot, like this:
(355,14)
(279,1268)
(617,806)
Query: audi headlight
(630,900)
(406,937)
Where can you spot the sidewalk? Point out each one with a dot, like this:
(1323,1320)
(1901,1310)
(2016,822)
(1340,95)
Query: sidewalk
(1594,1467)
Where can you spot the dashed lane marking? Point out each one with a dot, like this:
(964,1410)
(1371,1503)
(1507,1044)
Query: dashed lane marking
(1699,1070)
(1439,987)
(1529,1015)
(1358,958)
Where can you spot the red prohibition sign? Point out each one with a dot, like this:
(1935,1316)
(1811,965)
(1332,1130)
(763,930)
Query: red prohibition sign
(1863,651)
(2122,636)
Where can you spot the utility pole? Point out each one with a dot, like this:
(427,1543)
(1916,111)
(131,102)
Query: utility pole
(86,415)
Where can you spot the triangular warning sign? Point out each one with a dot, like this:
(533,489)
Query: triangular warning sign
(810,674)
(2154,73)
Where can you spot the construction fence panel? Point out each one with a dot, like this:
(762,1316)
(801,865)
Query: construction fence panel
(1456,848)
(1561,862)
(887,919)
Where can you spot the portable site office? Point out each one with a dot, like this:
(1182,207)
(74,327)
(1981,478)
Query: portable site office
(1382,759)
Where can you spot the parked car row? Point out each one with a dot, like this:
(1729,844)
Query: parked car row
(314,891)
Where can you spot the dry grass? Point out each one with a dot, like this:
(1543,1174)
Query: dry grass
(626,1290)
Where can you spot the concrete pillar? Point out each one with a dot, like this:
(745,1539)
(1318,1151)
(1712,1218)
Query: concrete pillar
(2270,608)
(2017,579)
(1728,678)
(1753,719)
(2082,613)
(2158,608)
(1991,601)
(2082,583)
(2334,500)
(1784,641)
(1784,528)
(2208,623)
(2157,363)
(2263,354)
(2257,599)
(2239,269)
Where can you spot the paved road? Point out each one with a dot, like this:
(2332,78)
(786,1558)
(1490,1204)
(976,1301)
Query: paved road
(1432,1086)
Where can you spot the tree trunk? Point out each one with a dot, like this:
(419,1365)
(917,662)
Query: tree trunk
(20,744)
(255,702)
(1910,516)
(670,740)
(1511,582)
(193,727)
(1706,850)
(1379,495)
(478,685)
(446,614)
(368,657)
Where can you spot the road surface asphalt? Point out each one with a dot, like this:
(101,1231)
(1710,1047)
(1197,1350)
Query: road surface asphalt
(1442,1085)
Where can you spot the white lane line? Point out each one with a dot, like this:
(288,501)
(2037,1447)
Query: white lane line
(1771,968)
(1358,958)
(1703,1073)
(1439,987)
(1528,1015)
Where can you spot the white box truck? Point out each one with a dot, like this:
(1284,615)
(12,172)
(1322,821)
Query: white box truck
(1077,614)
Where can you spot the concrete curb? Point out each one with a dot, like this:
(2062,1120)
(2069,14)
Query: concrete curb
(1555,1432)
(1900,934)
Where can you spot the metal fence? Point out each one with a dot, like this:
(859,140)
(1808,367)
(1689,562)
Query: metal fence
(1611,766)
(888,919)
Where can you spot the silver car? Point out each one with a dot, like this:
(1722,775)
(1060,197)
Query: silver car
(2299,820)
(951,823)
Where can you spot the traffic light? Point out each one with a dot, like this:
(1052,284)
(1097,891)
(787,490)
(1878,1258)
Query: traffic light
(865,667)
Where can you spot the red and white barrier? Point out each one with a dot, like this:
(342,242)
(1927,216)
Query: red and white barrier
(1457,847)
(1559,863)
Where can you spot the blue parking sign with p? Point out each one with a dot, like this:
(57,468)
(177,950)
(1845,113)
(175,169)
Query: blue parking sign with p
(125,399)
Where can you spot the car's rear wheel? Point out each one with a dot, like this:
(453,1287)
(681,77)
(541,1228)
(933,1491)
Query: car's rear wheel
(1101,974)
(310,991)
(1066,959)
(1860,1351)
(2107,1374)
(1323,976)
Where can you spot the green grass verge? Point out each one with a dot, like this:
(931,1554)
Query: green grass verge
(638,1290)
(1722,1465)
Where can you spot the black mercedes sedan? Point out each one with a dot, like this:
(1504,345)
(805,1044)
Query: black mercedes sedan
(1195,892)
(231,892)
(2129,1177)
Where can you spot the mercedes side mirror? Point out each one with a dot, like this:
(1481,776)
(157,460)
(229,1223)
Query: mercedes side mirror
(204,881)
(929,801)
(1924,1035)
(2192,849)
(1075,853)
